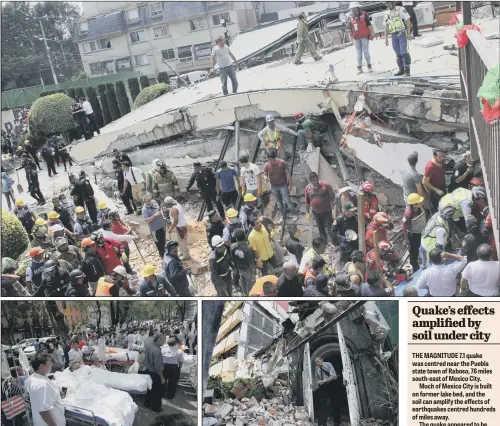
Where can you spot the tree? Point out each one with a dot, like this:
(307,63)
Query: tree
(133,86)
(96,106)
(79,93)
(50,92)
(51,114)
(163,77)
(72,92)
(104,103)
(122,97)
(150,93)
(14,237)
(112,102)
(144,81)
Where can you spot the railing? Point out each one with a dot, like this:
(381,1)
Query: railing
(479,56)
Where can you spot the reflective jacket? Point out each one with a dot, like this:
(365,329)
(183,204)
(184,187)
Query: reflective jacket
(429,235)
(370,206)
(455,199)
(395,24)
(103,288)
(382,234)
(359,27)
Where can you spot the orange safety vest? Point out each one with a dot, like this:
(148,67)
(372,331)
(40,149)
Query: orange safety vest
(308,275)
(103,287)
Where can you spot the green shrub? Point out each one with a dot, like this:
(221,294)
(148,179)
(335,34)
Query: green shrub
(51,114)
(163,77)
(79,92)
(121,95)
(83,76)
(133,86)
(14,237)
(150,93)
(104,104)
(72,93)
(144,81)
(50,92)
(96,106)
(112,101)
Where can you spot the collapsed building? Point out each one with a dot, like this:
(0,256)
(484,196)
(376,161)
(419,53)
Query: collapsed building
(276,349)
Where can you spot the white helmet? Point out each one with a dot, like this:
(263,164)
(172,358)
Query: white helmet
(155,164)
(217,241)
(269,118)
(354,4)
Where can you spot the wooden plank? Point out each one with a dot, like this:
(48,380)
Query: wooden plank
(361,222)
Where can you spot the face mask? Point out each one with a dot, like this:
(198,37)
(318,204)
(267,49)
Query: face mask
(220,250)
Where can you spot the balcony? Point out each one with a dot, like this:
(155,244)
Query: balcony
(227,344)
(476,59)
(231,322)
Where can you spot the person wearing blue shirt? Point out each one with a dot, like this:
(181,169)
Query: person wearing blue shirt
(155,285)
(153,216)
(226,184)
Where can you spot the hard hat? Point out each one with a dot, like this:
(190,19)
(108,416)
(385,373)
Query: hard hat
(148,270)
(231,212)
(466,154)
(470,221)
(60,241)
(35,251)
(217,241)
(40,221)
(354,4)
(57,228)
(75,275)
(385,246)
(249,197)
(161,163)
(366,186)
(19,202)
(169,244)
(447,211)
(19,148)
(381,217)
(120,270)
(26,142)
(102,205)
(82,173)
(154,164)
(476,182)
(344,189)
(53,215)
(269,118)
(298,116)
(169,200)
(302,15)
(307,124)
(87,242)
(478,193)
(79,209)
(351,235)
(8,265)
(415,198)
(50,265)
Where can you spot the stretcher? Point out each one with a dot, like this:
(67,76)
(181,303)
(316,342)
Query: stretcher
(81,416)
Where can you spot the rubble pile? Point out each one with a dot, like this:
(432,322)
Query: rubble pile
(250,412)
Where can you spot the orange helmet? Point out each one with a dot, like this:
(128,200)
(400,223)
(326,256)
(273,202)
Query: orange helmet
(87,242)
(380,218)
(366,186)
(35,251)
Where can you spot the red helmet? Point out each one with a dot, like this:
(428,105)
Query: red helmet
(385,246)
(476,182)
(381,217)
(298,116)
(366,187)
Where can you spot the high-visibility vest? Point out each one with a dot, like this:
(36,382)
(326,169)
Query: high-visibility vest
(313,255)
(454,199)
(273,139)
(395,24)
(359,29)
(308,275)
(429,234)
(103,287)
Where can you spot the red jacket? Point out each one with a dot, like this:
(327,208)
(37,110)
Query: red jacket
(371,206)
(371,260)
(382,234)
(359,27)
(108,256)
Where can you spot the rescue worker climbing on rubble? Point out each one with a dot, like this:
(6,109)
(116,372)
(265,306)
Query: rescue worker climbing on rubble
(371,201)
(380,223)
(347,221)
(103,212)
(221,267)
(304,41)
(436,233)
(207,184)
(309,131)
(271,137)
(174,270)
(40,235)
(66,252)
(413,224)
(387,259)
(55,278)
(398,25)
(360,25)
(164,182)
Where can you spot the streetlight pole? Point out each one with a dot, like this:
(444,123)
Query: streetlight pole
(48,53)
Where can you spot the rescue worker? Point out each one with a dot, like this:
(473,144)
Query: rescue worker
(316,267)
(347,220)
(479,202)
(463,173)
(150,176)
(116,226)
(381,224)
(317,251)
(304,41)
(35,269)
(25,215)
(78,286)
(54,219)
(111,253)
(55,278)
(40,235)
(64,215)
(320,198)
(64,154)
(165,182)
(346,195)
(413,224)
(83,225)
(32,151)
(154,285)
(102,212)
(371,201)
(436,233)
(153,216)
(476,182)
(83,191)
(249,211)
(207,184)
(77,198)
(232,223)
(178,223)
(472,240)
(34,184)
(121,157)
(66,252)
(244,261)
(271,137)
(215,226)
(111,283)
(125,194)
(309,130)
(175,272)
(48,158)
(221,267)
(361,29)
(293,245)
(355,269)
(91,264)
(397,24)
(387,258)
(461,200)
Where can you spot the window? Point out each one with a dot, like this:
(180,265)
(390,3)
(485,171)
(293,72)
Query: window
(156,9)
(198,23)
(160,31)
(83,27)
(106,67)
(217,19)
(168,54)
(123,64)
(132,15)
(138,36)
(92,46)
(141,59)
(202,51)
(185,54)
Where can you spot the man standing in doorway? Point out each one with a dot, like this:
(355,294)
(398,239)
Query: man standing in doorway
(303,40)
(434,178)
(224,57)
(397,24)
(328,391)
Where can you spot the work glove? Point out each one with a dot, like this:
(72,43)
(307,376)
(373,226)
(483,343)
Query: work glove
(124,257)
(240,254)
(308,217)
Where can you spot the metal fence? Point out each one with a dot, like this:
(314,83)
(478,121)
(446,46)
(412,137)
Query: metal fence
(475,61)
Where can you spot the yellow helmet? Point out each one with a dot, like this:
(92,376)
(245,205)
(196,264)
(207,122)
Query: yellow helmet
(102,205)
(249,197)
(231,213)
(79,209)
(148,270)
(415,198)
(26,142)
(19,148)
(40,221)
(19,202)
(53,215)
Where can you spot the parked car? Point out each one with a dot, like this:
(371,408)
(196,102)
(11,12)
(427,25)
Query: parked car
(24,343)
